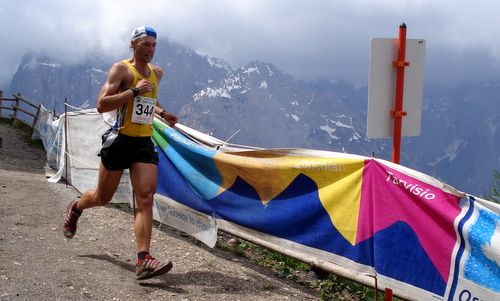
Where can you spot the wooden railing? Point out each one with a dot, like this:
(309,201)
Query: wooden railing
(17,105)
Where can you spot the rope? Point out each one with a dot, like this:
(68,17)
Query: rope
(73,107)
(217,145)
(80,161)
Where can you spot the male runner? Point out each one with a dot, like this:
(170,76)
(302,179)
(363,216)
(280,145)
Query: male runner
(131,90)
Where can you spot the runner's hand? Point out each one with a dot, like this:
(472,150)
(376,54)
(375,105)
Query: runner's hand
(171,119)
(144,86)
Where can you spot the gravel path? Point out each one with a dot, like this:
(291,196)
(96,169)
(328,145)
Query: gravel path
(38,263)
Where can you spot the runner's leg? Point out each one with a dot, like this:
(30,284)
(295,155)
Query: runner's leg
(143,177)
(106,187)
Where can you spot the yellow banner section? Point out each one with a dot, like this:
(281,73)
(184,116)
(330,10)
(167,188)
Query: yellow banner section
(271,172)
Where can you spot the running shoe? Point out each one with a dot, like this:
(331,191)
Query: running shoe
(69,228)
(150,267)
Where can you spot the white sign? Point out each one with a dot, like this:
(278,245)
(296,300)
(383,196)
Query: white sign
(201,226)
(382,87)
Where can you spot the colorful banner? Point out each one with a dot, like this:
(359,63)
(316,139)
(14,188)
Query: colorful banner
(416,235)
(367,215)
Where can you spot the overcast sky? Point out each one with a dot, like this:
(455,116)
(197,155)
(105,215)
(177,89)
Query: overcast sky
(308,39)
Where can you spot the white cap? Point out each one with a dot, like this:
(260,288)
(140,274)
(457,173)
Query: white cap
(143,31)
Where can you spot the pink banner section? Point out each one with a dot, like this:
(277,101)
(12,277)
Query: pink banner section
(389,196)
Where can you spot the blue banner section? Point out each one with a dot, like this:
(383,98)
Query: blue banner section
(193,162)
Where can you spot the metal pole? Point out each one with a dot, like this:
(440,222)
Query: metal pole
(66,139)
(398,112)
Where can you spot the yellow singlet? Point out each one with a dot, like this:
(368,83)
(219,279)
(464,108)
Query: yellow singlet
(124,118)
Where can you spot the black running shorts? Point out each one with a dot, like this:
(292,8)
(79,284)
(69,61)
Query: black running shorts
(126,150)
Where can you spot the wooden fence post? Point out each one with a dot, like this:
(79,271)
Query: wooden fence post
(1,96)
(18,103)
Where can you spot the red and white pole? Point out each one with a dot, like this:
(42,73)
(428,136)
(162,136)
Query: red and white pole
(398,112)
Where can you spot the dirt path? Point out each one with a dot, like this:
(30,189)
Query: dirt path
(38,263)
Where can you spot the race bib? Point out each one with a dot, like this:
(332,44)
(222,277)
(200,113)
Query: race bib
(143,110)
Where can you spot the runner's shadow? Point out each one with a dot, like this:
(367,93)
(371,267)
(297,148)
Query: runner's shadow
(163,282)
(213,282)
(111,259)
(131,268)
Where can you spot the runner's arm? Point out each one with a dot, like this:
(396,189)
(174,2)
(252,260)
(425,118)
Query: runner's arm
(118,80)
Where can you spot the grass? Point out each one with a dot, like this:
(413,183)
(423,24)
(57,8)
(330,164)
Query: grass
(329,286)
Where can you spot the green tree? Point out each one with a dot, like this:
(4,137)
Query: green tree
(494,194)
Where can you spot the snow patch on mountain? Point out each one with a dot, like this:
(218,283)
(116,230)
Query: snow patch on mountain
(330,131)
(96,75)
(251,70)
(97,70)
(355,136)
(217,63)
(50,65)
(340,124)
(230,83)
(270,72)
(212,93)
(451,151)
(295,117)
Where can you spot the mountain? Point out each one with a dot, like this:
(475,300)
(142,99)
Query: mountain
(460,140)
(260,105)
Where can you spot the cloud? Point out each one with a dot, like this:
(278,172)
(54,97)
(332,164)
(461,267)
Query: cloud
(309,39)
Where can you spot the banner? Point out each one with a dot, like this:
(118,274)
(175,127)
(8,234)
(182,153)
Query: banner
(48,129)
(365,217)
